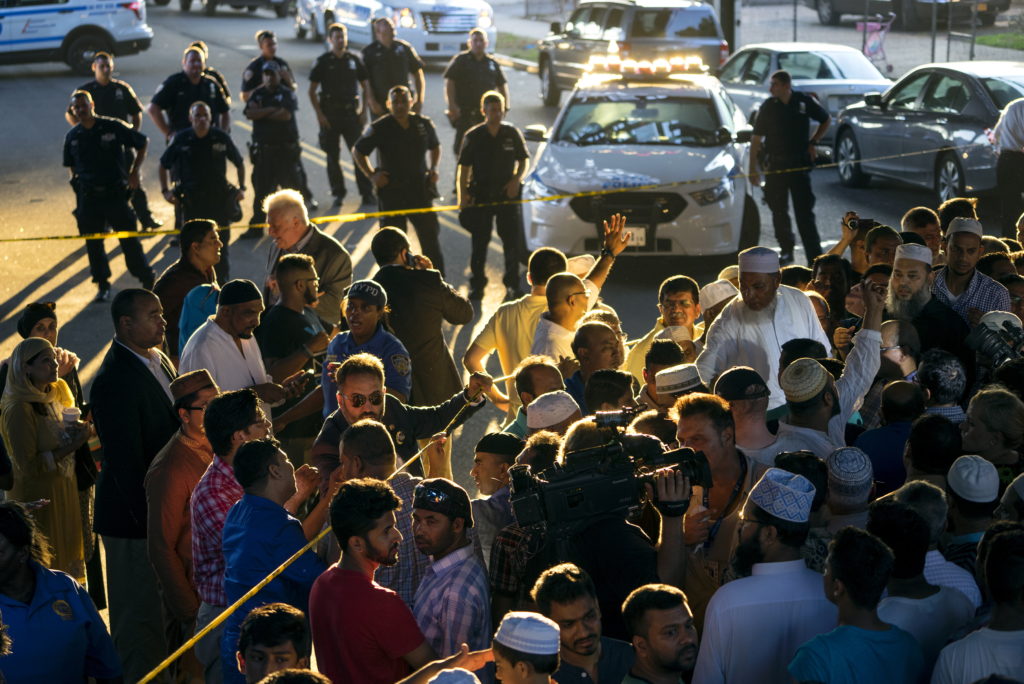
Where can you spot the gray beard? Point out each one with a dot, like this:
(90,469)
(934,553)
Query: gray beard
(906,310)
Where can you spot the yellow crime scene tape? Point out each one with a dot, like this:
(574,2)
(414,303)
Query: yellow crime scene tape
(359,216)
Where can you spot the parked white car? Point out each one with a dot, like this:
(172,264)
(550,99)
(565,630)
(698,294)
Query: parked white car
(54,31)
(680,132)
(437,30)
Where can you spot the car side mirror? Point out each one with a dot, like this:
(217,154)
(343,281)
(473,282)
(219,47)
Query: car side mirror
(874,100)
(535,133)
(744,135)
(556,27)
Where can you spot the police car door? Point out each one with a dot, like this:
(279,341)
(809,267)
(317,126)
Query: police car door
(32,25)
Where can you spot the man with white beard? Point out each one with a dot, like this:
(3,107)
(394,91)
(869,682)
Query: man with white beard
(910,299)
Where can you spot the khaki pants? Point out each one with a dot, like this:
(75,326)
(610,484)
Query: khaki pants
(207,649)
(136,616)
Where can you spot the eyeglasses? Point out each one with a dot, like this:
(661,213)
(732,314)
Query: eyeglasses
(427,494)
(885,349)
(585,292)
(201,409)
(358,400)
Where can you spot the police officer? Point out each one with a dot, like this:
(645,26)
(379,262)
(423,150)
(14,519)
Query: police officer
(275,138)
(389,62)
(170,106)
(212,71)
(95,151)
(403,180)
(339,75)
(782,124)
(492,162)
(469,75)
(198,158)
(117,100)
(252,77)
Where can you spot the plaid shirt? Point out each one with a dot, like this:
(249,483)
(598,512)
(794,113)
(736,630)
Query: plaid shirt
(938,570)
(513,548)
(953,414)
(982,293)
(216,493)
(404,577)
(453,605)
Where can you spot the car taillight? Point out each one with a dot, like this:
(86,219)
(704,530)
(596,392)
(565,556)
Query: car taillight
(135,6)
(723,52)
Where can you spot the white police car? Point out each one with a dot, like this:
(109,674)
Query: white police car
(665,134)
(71,31)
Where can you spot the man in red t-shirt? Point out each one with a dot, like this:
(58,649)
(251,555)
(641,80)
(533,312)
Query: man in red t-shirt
(362,631)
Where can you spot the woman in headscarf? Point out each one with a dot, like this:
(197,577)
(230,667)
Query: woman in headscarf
(42,448)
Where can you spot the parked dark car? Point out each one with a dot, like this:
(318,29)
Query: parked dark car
(930,128)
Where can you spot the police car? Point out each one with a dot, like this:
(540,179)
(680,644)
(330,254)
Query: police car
(71,31)
(660,142)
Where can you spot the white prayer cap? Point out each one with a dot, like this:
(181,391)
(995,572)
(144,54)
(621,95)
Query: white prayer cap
(785,495)
(850,476)
(729,273)
(676,333)
(961,224)
(916,252)
(677,379)
(803,379)
(550,409)
(581,265)
(528,633)
(759,260)
(717,292)
(974,479)
(454,676)
(995,320)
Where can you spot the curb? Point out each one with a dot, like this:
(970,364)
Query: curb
(516,63)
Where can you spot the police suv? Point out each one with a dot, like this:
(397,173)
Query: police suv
(658,141)
(71,31)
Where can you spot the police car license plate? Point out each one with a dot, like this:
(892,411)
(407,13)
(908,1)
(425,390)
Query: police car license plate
(637,237)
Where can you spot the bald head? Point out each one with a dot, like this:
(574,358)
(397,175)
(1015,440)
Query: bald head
(901,334)
(561,287)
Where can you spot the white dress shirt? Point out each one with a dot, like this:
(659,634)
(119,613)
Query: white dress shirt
(1009,130)
(755,625)
(979,655)
(212,348)
(741,337)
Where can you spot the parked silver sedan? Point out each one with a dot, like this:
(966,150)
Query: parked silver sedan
(930,128)
(835,74)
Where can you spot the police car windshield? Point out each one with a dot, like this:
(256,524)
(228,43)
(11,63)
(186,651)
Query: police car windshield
(640,120)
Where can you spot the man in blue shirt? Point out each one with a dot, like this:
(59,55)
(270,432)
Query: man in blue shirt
(260,534)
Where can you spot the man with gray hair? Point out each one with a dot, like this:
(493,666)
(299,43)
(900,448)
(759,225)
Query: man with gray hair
(752,328)
(944,381)
(292,233)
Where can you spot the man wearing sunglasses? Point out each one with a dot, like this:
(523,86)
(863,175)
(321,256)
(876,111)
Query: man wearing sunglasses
(362,394)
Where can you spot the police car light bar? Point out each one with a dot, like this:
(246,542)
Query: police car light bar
(613,64)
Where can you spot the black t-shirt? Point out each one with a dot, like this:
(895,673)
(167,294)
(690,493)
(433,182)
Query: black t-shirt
(252,77)
(787,129)
(116,99)
(339,79)
(492,158)
(97,154)
(472,78)
(201,162)
(177,94)
(271,132)
(402,151)
(388,67)
(282,331)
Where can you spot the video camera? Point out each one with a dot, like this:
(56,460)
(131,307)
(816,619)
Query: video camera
(606,480)
(999,346)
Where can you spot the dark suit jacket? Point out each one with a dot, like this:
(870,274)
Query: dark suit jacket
(421,301)
(134,420)
(333,267)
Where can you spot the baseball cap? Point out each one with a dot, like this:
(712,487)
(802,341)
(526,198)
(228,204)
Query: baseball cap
(741,382)
(370,291)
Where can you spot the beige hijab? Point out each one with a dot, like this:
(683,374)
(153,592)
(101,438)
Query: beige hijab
(20,388)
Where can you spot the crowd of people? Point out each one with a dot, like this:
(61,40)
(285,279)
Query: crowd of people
(857,515)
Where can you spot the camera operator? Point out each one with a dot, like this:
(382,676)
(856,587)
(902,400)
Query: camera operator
(997,338)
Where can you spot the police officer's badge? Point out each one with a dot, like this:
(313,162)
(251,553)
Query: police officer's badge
(399,435)
(401,364)
(63,609)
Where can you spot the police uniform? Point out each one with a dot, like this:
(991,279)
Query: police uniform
(383,345)
(252,77)
(785,128)
(221,81)
(200,167)
(388,67)
(118,101)
(472,78)
(98,159)
(402,153)
(275,148)
(177,94)
(339,79)
(491,161)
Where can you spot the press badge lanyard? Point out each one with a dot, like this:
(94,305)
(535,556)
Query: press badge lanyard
(737,488)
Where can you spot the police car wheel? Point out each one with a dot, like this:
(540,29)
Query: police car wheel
(185,5)
(83,49)
(281,10)
(209,7)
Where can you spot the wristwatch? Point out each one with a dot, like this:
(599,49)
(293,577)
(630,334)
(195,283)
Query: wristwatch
(605,252)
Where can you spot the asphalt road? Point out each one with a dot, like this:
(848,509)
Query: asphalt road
(35,200)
